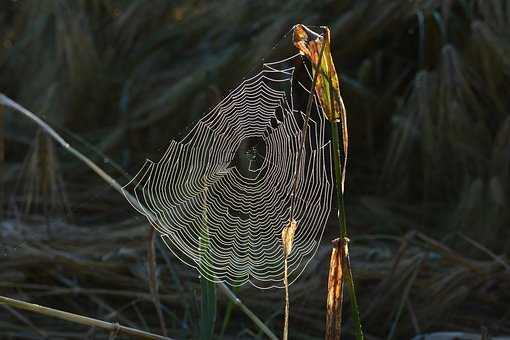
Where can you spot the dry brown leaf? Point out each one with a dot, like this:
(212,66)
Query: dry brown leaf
(288,237)
(335,289)
(327,86)
(287,240)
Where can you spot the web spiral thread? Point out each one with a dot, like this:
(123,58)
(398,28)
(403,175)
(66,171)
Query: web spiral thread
(221,196)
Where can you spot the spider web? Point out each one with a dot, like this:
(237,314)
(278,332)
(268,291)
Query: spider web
(221,196)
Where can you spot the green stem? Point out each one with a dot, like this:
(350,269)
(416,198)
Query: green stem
(237,302)
(207,309)
(358,331)
(208,300)
(338,179)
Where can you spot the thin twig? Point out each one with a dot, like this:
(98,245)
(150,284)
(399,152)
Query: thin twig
(287,303)
(498,259)
(448,252)
(83,320)
(412,316)
(261,325)
(2,158)
(153,281)
(55,290)
(405,297)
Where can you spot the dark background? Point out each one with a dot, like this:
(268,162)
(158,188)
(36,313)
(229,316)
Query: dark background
(426,88)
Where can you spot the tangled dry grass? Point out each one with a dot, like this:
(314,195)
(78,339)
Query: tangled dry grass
(426,84)
(412,284)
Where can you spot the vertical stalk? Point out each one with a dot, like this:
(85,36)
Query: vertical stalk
(287,305)
(338,179)
(328,93)
(2,159)
(208,288)
(343,231)
(207,309)
(153,280)
(293,195)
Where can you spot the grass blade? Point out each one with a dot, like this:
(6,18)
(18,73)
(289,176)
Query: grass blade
(208,298)
(207,309)
(153,280)
(261,325)
(351,289)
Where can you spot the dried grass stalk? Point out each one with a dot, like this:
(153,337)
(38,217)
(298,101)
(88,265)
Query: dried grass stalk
(2,158)
(55,313)
(153,280)
(287,241)
(335,291)
(288,237)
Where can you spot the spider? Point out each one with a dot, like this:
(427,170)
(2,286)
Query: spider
(251,155)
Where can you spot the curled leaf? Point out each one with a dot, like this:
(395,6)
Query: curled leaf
(335,289)
(287,240)
(327,86)
(288,237)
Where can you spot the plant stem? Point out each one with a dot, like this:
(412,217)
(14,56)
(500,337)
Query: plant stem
(338,179)
(207,308)
(208,288)
(2,159)
(153,281)
(358,331)
(287,304)
(294,188)
(83,320)
(261,325)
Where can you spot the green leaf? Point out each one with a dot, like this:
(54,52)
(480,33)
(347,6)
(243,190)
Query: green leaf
(207,309)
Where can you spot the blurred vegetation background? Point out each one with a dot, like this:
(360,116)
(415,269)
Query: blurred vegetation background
(426,86)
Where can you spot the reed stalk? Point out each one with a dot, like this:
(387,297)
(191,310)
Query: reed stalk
(114,328)
(208,289)
(342,218)
(2,159)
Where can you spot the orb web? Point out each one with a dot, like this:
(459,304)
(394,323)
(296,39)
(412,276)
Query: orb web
(220,196)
